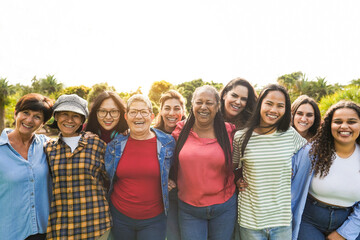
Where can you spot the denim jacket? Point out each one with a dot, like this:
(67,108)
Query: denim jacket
(301,179)
(165,152)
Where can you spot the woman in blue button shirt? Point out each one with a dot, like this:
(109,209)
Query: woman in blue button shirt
(24,174)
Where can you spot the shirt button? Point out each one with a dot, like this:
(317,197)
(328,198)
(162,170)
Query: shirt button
(31,180)
(69,190)
(32,206)
(32,194)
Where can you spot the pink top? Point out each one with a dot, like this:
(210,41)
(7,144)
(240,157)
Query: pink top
(202,172)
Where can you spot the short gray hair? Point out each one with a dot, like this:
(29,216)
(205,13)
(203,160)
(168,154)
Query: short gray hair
(208,88)
(139,98)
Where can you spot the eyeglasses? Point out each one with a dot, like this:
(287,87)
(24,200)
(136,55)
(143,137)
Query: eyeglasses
(102,113)
(134,112)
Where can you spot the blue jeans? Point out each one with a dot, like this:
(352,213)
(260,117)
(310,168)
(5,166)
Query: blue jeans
(128,228)
(319,220)
(274,233)
(173,230)
(215,222)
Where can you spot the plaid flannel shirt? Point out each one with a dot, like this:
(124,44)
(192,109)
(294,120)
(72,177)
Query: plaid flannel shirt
(79,209)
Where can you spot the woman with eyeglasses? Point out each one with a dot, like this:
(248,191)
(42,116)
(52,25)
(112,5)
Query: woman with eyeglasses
(106,117)
(138,166)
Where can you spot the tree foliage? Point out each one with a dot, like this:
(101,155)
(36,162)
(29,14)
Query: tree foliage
(48,86)
(6,90)
(97,89)
(351,93)
(81,91)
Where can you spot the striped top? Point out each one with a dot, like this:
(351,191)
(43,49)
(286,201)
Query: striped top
(266,202)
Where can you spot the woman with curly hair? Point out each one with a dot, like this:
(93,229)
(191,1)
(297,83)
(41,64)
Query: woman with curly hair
(305,116)
(332,209)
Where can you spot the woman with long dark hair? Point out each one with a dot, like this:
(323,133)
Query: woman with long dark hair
(207,203)
(106,117)
(332,209)
(238,100)
(265,149)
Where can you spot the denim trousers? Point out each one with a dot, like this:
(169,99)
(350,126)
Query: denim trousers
(173,229)
(319,220)
(273,233)
(214,222)
(126,228)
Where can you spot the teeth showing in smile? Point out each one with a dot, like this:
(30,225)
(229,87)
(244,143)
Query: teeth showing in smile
(203,114)
(345,133)
(303,124)
(26,126)
(235,107)
(68,126)
(272,116)
(171,119)
(138,123)
(107,122)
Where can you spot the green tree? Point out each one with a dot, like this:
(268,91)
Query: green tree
(96,90)
(158,88)
(81,91)
(6,90)
(355,82)
(187,89)
(349,93)
(48,86)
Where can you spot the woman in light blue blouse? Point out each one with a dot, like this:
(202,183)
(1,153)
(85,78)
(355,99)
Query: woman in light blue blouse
(24,174)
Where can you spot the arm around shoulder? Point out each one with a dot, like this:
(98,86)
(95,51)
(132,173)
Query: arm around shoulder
(350,229)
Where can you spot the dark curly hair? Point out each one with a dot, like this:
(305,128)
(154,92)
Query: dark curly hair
(322,151)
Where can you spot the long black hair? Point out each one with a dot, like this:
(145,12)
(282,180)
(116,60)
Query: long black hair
(219,128)
(282,125)
(241,119)
(93,124)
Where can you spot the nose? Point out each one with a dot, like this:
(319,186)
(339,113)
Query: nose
(171,112)
(238,101)
(303,118)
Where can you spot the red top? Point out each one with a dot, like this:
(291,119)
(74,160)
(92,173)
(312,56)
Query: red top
(137,190)
(202,171)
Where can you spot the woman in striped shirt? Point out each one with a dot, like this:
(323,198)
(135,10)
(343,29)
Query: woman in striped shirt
(265,149)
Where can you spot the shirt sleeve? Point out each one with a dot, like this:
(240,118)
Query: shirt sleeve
(299,141)
(300,182)
(237,148)
(350,229)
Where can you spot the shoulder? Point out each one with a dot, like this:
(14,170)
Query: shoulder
(178,128)
(164,138)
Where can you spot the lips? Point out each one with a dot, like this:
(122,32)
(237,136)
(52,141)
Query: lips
(235,107)
(26,126)
(344,134)
(272,116)
(303,124)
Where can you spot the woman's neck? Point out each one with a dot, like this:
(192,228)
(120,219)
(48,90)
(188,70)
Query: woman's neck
(142,136)
(344,151)
(265,130)
(204,131)
(17,137)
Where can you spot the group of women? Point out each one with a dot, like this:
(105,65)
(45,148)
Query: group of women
(115,176)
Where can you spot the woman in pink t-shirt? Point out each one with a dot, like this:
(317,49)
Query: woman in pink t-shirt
(207,201)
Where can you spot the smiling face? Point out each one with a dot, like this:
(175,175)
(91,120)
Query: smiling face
(171,113)
(235,101)
(112,114)
(272,109)
(28,121)
(69,123)
(304,118)
(139,118)
(345,126)
(205,107)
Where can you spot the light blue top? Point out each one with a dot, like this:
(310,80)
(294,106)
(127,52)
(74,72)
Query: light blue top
(24,189)
(165,153)
(301,180)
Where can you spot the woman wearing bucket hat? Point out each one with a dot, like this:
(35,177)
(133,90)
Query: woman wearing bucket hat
(79,209)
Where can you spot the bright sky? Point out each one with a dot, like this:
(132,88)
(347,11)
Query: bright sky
(134,43)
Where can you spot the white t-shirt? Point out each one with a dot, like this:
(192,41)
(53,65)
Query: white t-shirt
(72,142)
(341,187)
